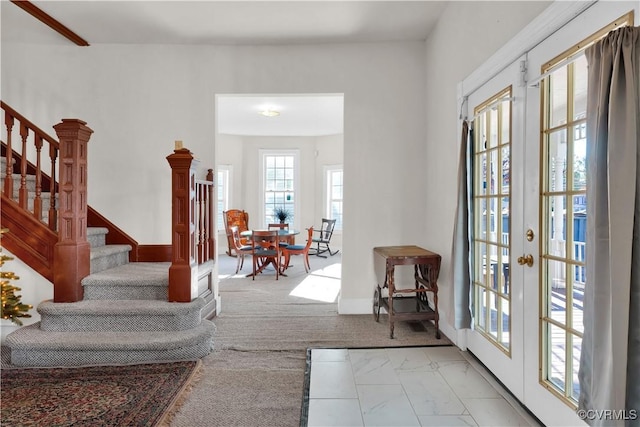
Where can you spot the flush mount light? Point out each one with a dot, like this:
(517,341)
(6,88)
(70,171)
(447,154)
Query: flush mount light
(269,113)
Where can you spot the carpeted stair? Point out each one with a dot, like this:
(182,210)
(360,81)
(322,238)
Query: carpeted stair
(124,318)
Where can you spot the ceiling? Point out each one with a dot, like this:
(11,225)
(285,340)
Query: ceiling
(235,23)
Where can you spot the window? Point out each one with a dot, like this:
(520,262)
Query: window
(222,185)
(280,179)
(491,201)
(333,183)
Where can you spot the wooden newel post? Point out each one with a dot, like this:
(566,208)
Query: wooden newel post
(71,255)
(183,273)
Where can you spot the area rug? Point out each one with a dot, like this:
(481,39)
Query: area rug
(255,375)
(133,395)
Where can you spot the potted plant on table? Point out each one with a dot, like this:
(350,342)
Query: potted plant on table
(282,214)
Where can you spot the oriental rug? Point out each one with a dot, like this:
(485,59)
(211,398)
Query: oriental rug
(133,395)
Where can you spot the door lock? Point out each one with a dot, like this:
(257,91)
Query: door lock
(530,235)
(526,260)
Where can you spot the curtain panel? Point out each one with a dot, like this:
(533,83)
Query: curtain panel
(609,359)
(462,252)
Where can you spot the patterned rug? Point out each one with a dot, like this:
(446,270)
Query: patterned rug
(136,395)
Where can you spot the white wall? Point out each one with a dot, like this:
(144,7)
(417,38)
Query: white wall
(466,35)
(139,99)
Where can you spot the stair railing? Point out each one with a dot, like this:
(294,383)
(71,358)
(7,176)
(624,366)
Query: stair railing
(204,203)
(19,153)
(192,242)
(59,250)
(67,261)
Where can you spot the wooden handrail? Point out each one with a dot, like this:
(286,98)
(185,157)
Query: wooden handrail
(51,140)
(17,161)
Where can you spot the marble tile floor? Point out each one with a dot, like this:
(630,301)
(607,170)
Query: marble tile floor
(417,386)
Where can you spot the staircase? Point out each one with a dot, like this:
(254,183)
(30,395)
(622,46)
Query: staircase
(120,312)
(124,318)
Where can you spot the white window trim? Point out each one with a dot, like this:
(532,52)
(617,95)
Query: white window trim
(263,153)
(229,172)
(325,192)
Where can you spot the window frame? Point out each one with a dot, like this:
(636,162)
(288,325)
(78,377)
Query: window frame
(226,199)
(327,199)
(263,154)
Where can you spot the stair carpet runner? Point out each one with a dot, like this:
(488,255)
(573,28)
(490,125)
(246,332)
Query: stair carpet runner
(124,318)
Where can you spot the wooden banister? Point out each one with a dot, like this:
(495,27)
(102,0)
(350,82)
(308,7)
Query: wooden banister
(59,250)
(24,130)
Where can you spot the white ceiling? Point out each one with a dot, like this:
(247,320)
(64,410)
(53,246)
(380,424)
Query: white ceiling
(235,23)
(299,115)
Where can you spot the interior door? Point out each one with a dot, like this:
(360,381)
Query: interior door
(497,287)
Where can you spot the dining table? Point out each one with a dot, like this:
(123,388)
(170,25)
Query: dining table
(282,233)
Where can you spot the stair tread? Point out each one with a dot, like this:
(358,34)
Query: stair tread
(131,274)
(107,250)
(97,230)
(32,337)
(120,307)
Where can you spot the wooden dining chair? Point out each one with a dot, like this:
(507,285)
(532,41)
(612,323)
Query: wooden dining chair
(284,241)
(265,250)
(299,250)
(240,249)
(238,218)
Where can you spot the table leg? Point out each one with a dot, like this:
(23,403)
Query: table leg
(376,304)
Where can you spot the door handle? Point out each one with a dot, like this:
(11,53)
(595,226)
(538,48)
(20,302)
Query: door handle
(526,260)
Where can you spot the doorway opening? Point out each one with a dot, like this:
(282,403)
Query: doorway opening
(280,151)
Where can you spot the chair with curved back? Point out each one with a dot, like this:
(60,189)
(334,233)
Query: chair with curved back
(324,238)
(285,240)
(298,250)
(265,250)
(238,218)
(240,249)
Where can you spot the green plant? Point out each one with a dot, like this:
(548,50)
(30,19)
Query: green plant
(282,214)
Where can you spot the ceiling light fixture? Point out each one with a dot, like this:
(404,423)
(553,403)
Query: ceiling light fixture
(269,113)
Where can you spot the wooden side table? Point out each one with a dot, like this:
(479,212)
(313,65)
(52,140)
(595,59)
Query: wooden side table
(406,303)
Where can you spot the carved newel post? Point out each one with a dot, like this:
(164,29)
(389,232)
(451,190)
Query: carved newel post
(183,273)
(71,255)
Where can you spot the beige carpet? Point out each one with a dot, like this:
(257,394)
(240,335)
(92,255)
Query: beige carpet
(255,376)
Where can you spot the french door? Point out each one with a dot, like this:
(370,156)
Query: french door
(525,272)
(497,338)
(529,218)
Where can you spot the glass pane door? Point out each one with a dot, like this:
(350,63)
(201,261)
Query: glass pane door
(492,160)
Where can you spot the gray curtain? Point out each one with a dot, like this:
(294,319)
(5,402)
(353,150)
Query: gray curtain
(461,256)
(610,355)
